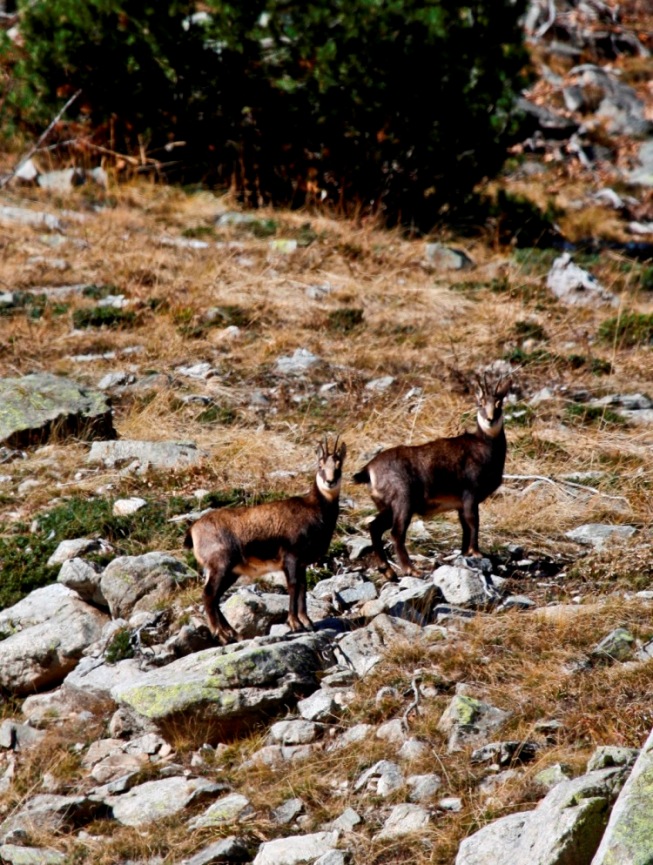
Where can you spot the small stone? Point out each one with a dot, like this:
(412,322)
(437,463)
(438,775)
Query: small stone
(227,850)
(77,547)
(423,787)
(383,778)
(443,257)
(296,849)
(320,706)
(404,818)
(617,646)
(599,535)
(347,821)
(357,547)
(288,811)
(298,363)
(413,750)
(230,809)
(607,756)
(392,731)
(552,775)
(451,803)
(127,507)
(379,385)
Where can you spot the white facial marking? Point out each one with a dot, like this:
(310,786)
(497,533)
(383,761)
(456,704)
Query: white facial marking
(490,429)
(327,490)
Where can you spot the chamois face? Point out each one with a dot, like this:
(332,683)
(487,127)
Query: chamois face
(490,407)
(329,471)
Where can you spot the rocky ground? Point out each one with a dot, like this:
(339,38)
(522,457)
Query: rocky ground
(162,352)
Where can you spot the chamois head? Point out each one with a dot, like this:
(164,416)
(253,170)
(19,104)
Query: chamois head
(489,398)
(329,470)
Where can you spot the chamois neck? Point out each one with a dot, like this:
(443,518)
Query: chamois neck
(487,429)
(327,497)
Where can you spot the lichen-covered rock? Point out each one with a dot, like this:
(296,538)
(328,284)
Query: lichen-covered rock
(48,631)
(468,720)
(12,854)
(229,687)
(232,808)
(35,407)
(132,583)
(156,800)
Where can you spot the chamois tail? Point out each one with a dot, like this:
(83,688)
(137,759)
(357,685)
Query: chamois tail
(188,540)
(361,477)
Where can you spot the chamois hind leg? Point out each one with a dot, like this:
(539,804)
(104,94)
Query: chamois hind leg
(400,523)
(469,521)
(219,578)
(379,525)
(295,572)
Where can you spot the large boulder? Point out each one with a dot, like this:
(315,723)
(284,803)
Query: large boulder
(46,634)
(169,456)
(564,829)
(35,407)
(224,690)
(132,583)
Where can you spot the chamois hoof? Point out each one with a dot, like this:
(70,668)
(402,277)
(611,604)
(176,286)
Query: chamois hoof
(225,638)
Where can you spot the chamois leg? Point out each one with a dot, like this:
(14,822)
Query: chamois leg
(469,522)
(218,579)
(379,525)
(295,572)
(400,523)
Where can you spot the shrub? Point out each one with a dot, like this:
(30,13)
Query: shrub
(399,105)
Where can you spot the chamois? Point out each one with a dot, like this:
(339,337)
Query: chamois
(446,474)
(285,535)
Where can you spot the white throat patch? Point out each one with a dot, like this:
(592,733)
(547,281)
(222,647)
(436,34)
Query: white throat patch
(327,491)
(490,429)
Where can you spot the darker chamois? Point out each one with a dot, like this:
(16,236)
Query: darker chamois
(442,475)
(286,535)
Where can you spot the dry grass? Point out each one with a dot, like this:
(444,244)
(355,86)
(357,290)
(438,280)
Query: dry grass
(429,331)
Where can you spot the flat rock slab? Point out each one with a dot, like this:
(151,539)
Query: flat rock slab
(158,455)
(49,812)
(35,408)
(296,849)
(228,688)
(600,535)
(156,800)
(363,649)
(230,849)
(15,855)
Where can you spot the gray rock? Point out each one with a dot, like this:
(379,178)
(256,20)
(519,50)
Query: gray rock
(423,787)
(505,753)
(252,613)
(61,706)
(404,819)
(84,578)
(36,407)
(131,583)
(364,648)
(233,808)
(231,686)
(608,756)
(18,737)
(441,257)
(566,826)
(411,599)
(61,181)
(619,645)
(347,821)
(382,779)
(380,385)
(468,720)
(333,857)
(643,174)
(413,751)
(353,736)
(94,680)
(170,456)
(27,171)
(227,850)
(49,812)
(460,585)
(296,849)
(600,535)
(76,547)
(575,286)
(294,732)
(392,731)
(451,803)
(127,507)
(156,800)
(288,811)
(114,379)
(553,775)
(48,631)
(628,838)
(298,363)
(357,547)
(35,218)
(320,706)
(15,855)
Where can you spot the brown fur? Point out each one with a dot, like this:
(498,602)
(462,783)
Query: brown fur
(286,535)
(445,474)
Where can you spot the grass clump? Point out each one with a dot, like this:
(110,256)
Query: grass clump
(344,320)
(103,316)
(98,292)
(580,414)
(120,647)
(628,330)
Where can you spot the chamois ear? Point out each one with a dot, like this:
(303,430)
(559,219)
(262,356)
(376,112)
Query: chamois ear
(342,452)
(502,388)
(321,451)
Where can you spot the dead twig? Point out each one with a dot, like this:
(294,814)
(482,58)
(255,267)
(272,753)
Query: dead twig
(561,482)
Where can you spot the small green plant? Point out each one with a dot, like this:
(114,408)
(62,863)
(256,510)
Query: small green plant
(120,647)
(217,414)
(627,330)
(98,292)
(580,414)
(344,320)
(529,330)
(199,231)
(103,316)
(646,279)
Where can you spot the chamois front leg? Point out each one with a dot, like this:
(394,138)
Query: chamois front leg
(295,572)
(219,578)
(400,523)
(469,521)
(379,525)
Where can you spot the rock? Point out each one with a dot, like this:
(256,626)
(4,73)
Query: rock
(423,787)
(382,779)
(289,811)
(76,547)
(131,583)
(296,849)
(84,578)
(404,819)
(357,547)
(115,379)
(227,850)
(467,720)
(575,286)
(48,812)
(15,855)
(251,612)
(392,731)
(283,246)
(171,456)
(298,363)
(35,218)
(566,826)
(461,586)
(18,737)
(95,679)
(411,599)
(347,821)
(619,645)
(33,408)
(333,857)
(61,706)
(599,535)
(127,507)
(505,753)
(643,174)
(553,775)
(26,171)
(628,838)
(607,756)
(294,732)
(441,257)
(413,750)
(451,803)
(229,687)
(61,181)
(364,648)
(380,385)
(48,631)
(117,766)
(156,800)
(353,736)
(320,706)
(233,808)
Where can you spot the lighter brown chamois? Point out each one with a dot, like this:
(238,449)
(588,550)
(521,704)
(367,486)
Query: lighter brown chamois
(285,535)
(446,474)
